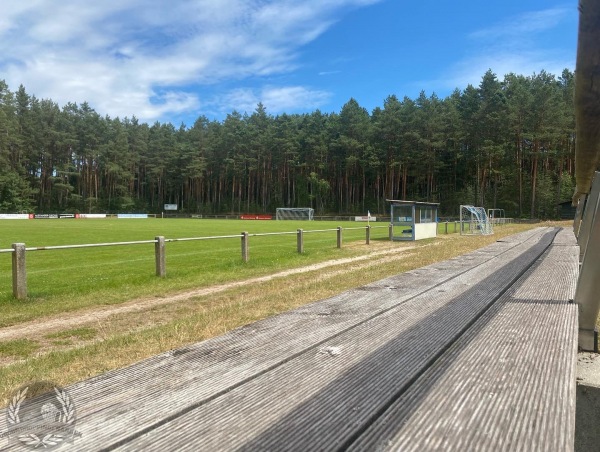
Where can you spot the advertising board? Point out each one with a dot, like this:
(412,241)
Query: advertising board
(256,217)
(14,216)
(132,215)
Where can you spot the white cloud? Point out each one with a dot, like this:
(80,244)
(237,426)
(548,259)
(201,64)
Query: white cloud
(275,99)
(118,54)
(287,98)
(517,45)
(471,70)
(240,99)
(524,25)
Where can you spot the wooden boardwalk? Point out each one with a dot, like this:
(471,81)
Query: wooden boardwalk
(474,353)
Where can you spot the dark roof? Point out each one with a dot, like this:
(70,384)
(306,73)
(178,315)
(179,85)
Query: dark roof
(417,203)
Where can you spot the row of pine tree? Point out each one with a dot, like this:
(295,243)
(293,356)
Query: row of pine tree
(505,144)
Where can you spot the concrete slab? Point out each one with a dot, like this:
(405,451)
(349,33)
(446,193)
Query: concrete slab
(587,416)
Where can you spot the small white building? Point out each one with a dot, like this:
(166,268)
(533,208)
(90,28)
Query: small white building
(412,220)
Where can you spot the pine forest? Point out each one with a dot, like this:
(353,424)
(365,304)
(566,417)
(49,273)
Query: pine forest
(506,144)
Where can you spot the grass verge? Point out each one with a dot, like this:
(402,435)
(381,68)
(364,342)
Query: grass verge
(20,348)
(73,279)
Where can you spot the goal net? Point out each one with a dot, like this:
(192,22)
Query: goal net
(294,213)
(474,221)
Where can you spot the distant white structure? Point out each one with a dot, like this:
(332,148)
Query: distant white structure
(474,221)
(294,213)
(412,220)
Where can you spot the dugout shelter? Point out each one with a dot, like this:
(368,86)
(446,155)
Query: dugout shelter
(413,220)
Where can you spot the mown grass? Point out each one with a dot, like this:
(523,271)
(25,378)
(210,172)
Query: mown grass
(84,333)
(128,338)
(20,348)
(67,280)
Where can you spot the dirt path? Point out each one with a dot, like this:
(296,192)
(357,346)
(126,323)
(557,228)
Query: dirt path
(51,324)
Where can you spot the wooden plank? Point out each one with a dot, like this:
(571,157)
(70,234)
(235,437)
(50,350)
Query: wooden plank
(320,399)
(507,384)
(565,237)
(114,407)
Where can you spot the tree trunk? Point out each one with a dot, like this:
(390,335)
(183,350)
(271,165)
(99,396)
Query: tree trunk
(534,172)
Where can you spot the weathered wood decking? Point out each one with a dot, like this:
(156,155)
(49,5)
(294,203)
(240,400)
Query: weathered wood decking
(474,353)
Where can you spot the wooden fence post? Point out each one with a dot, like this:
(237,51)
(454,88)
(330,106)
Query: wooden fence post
(160,257)
(245,247)
(19,271)
(368,234)
(339,237)
(391,231)
(446,227)
(300,240)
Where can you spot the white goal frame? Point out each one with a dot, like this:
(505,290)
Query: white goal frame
(474,221)
(294,213)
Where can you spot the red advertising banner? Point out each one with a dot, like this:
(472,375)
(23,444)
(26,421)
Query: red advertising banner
(256,217)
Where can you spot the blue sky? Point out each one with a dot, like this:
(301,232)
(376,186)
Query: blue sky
(172,61)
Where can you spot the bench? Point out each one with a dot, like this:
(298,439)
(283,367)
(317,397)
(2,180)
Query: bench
(474,353)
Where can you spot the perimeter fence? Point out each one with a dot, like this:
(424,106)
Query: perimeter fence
(19,250)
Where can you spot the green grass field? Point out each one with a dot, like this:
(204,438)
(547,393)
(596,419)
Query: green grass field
(66,280)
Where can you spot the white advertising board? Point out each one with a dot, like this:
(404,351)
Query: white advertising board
(14,216)
(365,218)
(132,215)
(91,215)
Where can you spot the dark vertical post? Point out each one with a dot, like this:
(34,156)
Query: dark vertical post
(245,247)
(587,97)
(339,237)
(19,271)
(446,227)
(368,233)
(160,256)
(300,241)
(391,231)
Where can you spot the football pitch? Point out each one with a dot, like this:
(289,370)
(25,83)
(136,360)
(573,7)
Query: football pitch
(68,279)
